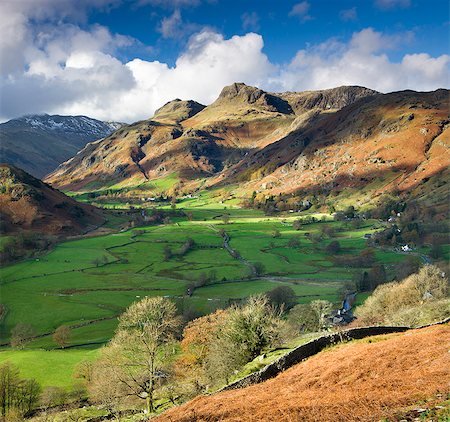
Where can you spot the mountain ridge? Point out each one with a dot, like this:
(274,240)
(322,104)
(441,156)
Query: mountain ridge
(301,144)
(39,143)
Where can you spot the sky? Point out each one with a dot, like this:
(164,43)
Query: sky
(122,59)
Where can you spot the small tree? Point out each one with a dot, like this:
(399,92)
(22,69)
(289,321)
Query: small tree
(259,268)
(283,297)
(436,251)
(276,233)
(167,253)
(136,359)
(21,334)
(226,218)
(321,308)
(61,336)
(333,247)
(294,242)
(302,318)
(297,224)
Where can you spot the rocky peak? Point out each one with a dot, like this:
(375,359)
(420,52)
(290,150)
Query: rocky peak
(241,93)
(328,99)
(178,110)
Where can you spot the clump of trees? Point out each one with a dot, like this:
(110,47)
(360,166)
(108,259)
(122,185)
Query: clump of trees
(214,347)
(18,396)
(366,258)
(419,299)
(282,297)
(187,246)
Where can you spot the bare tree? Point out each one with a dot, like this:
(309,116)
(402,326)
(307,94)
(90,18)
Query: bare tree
(61,336)
(137,355)
(21,334)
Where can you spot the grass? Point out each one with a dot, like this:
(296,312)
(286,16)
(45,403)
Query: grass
(87,283)
(369,381)
(49,368)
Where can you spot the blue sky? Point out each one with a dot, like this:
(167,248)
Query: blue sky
(122,59)
(283,34)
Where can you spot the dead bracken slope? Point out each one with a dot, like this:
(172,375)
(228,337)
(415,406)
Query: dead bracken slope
(361,381)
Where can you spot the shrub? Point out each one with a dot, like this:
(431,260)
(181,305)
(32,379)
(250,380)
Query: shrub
(282,297)
(417,298)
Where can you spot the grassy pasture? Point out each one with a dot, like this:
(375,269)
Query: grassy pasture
(87,283)
(48,367)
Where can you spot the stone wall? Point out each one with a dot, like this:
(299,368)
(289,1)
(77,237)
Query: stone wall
(311,348)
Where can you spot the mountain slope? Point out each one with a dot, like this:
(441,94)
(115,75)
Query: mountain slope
(397,142)
(29,205)
(359,381)
(39,143)
(196,142)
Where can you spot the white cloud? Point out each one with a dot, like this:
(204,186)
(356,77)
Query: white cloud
(300,10)
(363,61)
(348,14)
(392,4)
(68,70)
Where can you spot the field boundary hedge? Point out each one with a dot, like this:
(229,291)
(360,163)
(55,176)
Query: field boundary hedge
(313,347)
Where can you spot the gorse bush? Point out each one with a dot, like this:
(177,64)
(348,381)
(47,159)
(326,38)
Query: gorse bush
(419,299)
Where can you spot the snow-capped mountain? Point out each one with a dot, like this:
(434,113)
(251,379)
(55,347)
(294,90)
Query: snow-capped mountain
(39,143)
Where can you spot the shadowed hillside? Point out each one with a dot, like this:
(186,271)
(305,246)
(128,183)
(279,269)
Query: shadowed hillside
(29,205)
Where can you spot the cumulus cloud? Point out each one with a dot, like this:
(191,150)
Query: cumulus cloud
(300,10)
(69,70)
(363,61)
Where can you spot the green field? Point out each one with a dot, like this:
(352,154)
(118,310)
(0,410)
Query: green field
(87,283)
(48,367)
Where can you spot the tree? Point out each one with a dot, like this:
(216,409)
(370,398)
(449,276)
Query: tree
(21,334)
(302,318)
(333,247)
(246,331)
(276,233)
(417,300)
(294,242)
(377,275)
(61,336)
(297,224)
(283,297)
(226,218)
(167,253)
(191,367)
(259,268)
(16,394)
(321,308)
(137,356)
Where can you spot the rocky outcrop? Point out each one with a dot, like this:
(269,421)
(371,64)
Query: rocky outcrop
(177,110)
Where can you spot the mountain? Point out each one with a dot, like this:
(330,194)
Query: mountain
(195,142)
(29,205)
(396,142)
(39,143)
(351,143)
(384,378)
